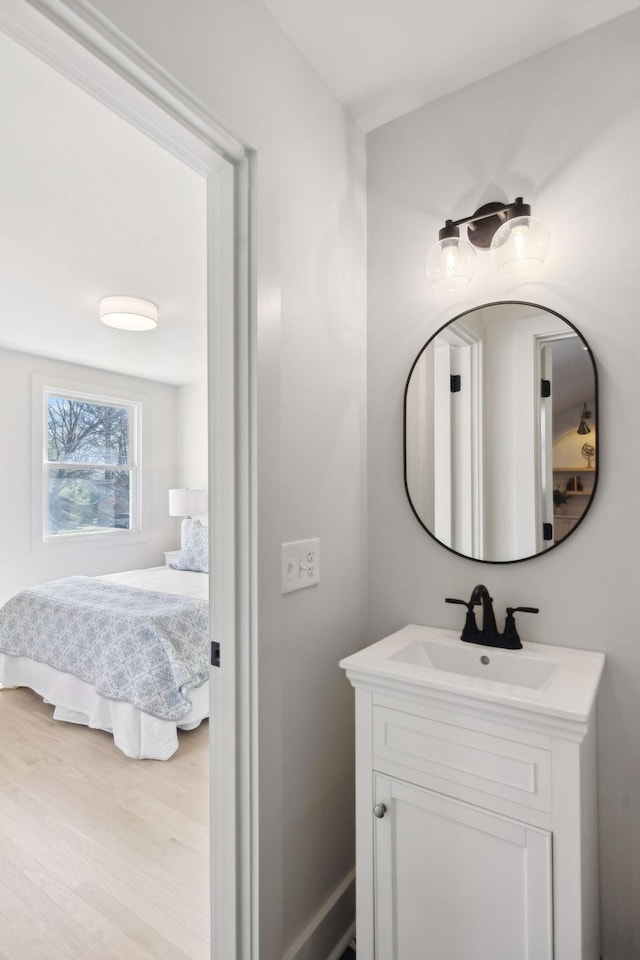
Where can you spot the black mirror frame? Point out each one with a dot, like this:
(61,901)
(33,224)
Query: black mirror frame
(483,306)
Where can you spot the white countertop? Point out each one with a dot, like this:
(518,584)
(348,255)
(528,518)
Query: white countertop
(568,692)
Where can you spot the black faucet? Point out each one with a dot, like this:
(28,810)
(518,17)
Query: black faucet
(480,595)
(489,635)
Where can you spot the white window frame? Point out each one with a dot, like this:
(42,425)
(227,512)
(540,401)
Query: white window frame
(43,389)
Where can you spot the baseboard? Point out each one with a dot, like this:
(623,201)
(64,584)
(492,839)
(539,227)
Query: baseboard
(329,933)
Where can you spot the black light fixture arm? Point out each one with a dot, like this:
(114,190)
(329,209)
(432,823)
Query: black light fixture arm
(485,221)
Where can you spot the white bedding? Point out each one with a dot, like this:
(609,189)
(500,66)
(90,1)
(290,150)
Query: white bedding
(185,582)
(137,734)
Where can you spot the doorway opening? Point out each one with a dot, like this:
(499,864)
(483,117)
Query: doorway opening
(130,86)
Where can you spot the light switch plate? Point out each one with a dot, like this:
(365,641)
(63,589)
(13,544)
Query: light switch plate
(300,564)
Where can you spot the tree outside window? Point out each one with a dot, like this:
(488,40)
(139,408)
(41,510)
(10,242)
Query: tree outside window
(90,465)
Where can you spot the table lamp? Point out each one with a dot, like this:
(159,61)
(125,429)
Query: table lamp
(187,502)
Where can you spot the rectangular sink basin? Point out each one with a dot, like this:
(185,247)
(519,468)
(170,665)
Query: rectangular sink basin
(540,678)
(473,660)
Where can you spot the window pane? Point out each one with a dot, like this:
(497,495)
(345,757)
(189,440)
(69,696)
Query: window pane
(88,501)
(82,432)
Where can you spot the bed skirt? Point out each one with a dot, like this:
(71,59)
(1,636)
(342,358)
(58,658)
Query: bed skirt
(138,735)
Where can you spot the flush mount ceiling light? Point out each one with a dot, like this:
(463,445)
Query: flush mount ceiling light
(128,313)
(517,241)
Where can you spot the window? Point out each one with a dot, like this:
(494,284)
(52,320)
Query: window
(90,465)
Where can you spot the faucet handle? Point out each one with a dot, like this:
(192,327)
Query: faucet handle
(510,634)
(470,629)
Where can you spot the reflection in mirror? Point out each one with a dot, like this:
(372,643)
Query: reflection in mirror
(501,432)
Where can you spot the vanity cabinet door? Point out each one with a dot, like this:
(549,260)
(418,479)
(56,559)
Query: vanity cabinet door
(454,882)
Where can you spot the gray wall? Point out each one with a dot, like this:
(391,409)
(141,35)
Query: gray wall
(562,129)
(310,200)
(192,435)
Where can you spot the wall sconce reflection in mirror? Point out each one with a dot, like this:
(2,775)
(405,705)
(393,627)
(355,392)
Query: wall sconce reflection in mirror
(583,426)
(517,241)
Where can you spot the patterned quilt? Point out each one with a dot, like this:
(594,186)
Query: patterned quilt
(136,645)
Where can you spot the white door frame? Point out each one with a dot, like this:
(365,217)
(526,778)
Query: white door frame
(458,447)
(84,46)
(543,361)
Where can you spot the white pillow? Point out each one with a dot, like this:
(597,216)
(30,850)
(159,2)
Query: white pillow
(195,550)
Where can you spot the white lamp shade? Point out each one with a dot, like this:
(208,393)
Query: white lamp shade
(128,313)
(187,502)
(450,263)
(520,245)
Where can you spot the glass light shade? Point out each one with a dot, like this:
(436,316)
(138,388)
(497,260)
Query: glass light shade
(450,263)
(520,245)
(187,502)
(129,313)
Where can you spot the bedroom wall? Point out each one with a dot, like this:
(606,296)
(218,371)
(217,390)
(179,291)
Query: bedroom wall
(21,563)
(562,129)
(310,208)
(192,435)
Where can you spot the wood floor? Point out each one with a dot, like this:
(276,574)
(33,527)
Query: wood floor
(100,856)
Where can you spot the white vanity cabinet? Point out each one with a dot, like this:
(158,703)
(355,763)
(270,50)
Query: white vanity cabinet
(476,817)
(429,845)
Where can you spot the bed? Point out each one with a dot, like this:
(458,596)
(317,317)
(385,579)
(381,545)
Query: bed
(136,731)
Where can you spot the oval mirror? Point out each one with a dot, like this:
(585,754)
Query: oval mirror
(500,432)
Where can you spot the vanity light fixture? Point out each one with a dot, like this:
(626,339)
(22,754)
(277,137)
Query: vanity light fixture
(583,426)
(128,313)
(517,241)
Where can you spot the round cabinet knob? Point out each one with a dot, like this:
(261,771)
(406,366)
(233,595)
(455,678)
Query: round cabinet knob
(379,810)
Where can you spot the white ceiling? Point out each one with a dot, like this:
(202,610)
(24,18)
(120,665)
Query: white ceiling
(91,207)
(382,58)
